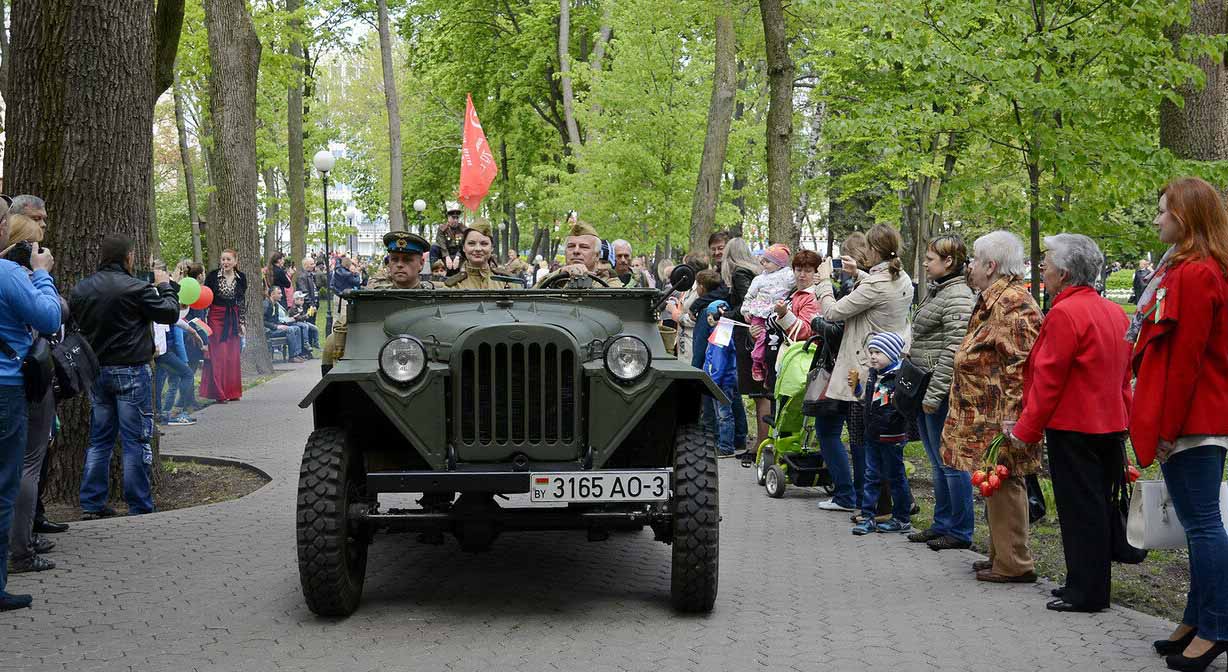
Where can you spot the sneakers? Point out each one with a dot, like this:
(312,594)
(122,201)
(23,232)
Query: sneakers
(182,419)
(104,512)
(832,505)
(43,544)
(864,527)
(35,563)
(895,525)
(722,453)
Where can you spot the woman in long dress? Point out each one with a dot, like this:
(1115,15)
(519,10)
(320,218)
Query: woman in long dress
(222,378)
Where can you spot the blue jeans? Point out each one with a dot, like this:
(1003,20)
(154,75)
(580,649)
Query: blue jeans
(836,458)
(13,425)
(885,462)
(954,515)
(311,333)
(1193,478)
(177,372)
(122,401)
(294,338)
(730,424)
(707,415)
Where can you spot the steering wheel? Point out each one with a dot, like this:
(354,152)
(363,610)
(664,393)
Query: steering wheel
(561,280)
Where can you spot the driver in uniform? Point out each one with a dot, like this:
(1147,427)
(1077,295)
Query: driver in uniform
(402,270)
(582,249)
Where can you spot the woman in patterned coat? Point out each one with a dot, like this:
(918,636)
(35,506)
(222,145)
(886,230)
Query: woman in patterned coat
(987,392)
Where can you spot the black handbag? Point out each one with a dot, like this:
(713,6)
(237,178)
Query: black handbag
(910,384)
(36,367)
(76,365)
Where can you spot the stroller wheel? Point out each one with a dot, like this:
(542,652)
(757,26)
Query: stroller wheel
(774,482)
(766,459)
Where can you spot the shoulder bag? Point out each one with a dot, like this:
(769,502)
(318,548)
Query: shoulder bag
(910,385)
(1152,521)
(76,365)
(36,367)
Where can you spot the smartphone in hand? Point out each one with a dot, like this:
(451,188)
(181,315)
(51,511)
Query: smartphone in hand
(837,264)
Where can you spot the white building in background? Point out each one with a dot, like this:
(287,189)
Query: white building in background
(368,241)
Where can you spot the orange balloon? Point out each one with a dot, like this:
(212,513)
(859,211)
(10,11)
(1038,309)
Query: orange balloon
(205,300)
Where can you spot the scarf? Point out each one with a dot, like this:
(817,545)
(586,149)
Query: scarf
(1136,324)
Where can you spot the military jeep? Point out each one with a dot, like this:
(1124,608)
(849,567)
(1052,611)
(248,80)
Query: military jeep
(507,410)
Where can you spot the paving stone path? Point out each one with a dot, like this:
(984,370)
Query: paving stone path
(216,588)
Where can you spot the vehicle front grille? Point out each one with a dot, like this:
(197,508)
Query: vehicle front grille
(516,393)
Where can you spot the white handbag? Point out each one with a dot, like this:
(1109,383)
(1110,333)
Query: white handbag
(1152,520)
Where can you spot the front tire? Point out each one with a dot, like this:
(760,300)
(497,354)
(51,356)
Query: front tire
(332,553)
(696,522)
(774,482)
(767,457)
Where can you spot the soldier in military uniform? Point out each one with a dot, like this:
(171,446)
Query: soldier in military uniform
(515,265)
(624,274)
(447,247)
(477,273)
(402,270)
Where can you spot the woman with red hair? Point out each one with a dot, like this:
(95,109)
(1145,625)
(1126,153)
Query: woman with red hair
(1180,360)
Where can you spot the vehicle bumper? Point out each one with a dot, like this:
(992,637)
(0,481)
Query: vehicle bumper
(500,482)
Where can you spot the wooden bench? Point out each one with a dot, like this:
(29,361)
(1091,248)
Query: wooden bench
(277,344)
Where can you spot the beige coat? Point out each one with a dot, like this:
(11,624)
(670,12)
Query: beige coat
(474,277)
(876,304)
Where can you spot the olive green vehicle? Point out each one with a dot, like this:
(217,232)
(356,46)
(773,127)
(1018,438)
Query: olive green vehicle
(508,410)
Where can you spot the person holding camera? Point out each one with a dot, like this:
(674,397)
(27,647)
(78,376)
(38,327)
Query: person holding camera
(28,301)
(115,311)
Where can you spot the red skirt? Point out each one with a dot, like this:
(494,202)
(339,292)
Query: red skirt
(221,377)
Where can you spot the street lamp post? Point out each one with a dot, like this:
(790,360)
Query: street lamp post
(420,207)
(324,162)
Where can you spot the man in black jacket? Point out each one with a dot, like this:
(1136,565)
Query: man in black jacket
(115,312)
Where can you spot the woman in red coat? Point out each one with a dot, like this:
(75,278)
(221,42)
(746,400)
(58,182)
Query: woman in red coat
(222,378)
(1180,360)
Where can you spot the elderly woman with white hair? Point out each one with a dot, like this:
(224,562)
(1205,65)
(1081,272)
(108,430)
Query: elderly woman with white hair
(987,391)
(1076,395)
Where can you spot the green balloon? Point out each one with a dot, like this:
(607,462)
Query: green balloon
(189,291)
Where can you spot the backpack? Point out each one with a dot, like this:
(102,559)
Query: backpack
(76,365)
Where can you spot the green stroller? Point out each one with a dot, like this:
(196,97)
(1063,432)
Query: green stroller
(790,454)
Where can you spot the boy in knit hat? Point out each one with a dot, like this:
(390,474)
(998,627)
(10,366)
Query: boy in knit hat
(765,290)
(886,432)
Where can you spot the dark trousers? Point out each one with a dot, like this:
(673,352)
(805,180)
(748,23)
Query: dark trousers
(1085,468)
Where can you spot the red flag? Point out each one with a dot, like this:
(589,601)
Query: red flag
(478,167)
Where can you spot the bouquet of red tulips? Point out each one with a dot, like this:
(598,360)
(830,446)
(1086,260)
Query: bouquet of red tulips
(989,478)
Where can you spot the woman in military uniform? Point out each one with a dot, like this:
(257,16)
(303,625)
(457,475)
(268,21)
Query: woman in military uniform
(477,272)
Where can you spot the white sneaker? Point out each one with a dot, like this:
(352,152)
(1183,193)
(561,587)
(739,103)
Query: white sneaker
(831,505)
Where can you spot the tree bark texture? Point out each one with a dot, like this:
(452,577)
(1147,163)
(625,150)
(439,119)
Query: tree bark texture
(271,213)
(189,172)
(569,100)
(81,137)
(297,186)
(396,177)
(1199,130)
(234,52)
(781,228)
(716,141)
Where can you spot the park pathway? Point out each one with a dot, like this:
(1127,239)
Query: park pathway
(216,588)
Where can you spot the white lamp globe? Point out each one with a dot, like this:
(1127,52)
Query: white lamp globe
(420,205)
(324,160)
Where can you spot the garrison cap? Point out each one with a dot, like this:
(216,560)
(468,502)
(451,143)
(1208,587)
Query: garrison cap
(583,229)
(481,225)
(404,241)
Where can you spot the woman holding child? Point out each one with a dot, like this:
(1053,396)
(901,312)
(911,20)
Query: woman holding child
(987,392)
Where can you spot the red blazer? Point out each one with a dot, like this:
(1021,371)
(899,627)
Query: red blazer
(1181,359)
(1077,377)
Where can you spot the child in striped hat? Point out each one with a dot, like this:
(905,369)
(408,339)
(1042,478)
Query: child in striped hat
(886,433)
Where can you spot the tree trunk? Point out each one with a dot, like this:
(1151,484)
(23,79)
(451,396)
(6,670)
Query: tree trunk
(396,214)
(272,242)
(779,125)
(151,202)
(716,141)
(1199,130)
(1034,222)
(189,177)
(509,205)
(74,59)
(297,180)
(569,101)
(234,53)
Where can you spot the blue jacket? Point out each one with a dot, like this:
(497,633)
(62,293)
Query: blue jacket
(25,302)
(344,280)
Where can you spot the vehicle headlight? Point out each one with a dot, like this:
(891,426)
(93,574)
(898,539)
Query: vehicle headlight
(402,359)
(627,358)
